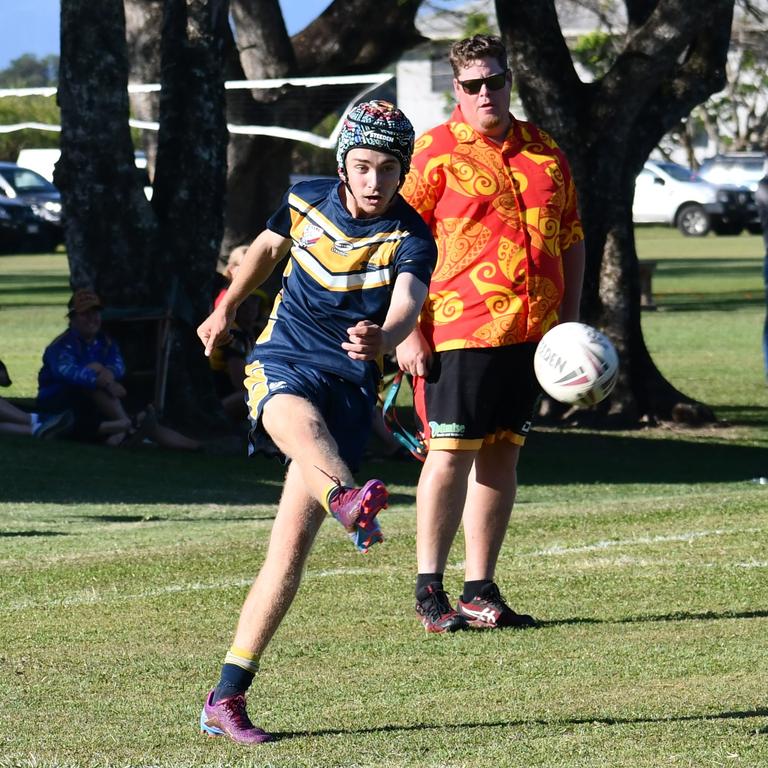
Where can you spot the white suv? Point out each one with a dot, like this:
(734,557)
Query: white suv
(667,193)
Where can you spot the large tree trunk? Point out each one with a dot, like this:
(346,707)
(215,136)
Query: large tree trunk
(147,259)
(110,226)
(164,254)
(674,58)
(189,187)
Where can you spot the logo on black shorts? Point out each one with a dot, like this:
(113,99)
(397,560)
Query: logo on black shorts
(446,430)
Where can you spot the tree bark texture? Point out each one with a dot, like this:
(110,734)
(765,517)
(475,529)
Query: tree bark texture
(673,59)
(110,224)
(189,185)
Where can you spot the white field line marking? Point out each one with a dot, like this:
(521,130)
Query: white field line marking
(94,596)
(687,537)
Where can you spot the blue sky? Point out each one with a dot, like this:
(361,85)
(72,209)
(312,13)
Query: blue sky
(32,26)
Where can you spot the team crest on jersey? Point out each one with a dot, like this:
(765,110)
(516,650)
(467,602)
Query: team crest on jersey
(342,247)
(311,234)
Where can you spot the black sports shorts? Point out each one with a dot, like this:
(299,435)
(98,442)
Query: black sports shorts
(477,395)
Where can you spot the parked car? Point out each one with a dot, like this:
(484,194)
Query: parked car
(741,170)
(667,193)
(29,187)
(18,225)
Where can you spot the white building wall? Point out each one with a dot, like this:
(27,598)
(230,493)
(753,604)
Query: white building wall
(415,97)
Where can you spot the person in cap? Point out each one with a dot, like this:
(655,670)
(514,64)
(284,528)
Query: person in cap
(83,371)
(359,262)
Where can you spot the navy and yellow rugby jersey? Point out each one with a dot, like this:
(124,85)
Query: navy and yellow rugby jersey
(341,270)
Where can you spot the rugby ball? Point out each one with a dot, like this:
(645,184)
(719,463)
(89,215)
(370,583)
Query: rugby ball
(576,364)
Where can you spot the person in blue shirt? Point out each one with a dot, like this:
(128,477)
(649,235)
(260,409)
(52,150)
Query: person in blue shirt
(360,260)
(82,372)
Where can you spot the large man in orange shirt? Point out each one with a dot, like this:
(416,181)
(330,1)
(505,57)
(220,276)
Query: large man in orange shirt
(498,196)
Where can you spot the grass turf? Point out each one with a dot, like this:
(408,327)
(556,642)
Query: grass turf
(644,554)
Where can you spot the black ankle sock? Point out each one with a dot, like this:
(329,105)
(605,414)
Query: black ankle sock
(423,580)
(233,680)
(473,588)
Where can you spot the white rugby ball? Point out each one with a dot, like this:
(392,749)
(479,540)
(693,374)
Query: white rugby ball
(576,364)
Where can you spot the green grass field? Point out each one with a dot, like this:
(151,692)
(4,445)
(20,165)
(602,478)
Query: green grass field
(643,553)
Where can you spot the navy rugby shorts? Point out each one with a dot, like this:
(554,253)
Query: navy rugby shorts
(347,408)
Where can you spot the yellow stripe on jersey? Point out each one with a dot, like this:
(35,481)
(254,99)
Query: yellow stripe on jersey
(336,261)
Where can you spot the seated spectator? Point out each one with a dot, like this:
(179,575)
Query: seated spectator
(82,372)
(14,421)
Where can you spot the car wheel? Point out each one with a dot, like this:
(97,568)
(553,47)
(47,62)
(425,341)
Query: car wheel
(693,221)
(754,229)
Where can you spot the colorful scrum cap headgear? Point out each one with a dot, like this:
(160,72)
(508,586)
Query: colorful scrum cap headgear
(376,125)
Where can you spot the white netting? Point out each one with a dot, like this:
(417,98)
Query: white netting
(367,83)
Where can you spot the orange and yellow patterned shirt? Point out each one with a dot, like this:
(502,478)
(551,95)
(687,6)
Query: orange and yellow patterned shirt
(502,216)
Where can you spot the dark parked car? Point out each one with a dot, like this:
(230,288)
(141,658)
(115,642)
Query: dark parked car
(18,225)
(738,170)
(29,187)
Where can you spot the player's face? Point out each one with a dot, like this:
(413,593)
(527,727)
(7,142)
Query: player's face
(373,178)
(484,96)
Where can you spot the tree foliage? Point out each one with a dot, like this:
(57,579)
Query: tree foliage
(27,109)
(29,71)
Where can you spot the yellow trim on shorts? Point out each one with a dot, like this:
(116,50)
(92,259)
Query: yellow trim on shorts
(505,435)
(458,444)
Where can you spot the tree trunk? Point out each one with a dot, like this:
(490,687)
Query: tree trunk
(673,59)
(143,21)
(189,186)
(110,226)
(147,260)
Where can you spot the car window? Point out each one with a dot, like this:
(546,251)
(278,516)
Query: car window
(678,172)
(23,180)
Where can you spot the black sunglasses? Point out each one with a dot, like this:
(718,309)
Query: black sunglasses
(492,83)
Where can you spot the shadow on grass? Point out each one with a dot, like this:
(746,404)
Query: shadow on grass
(175,518)
(561,458)
(677,616)
(27,534)
(747,714)
(706,302)
(69,473)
